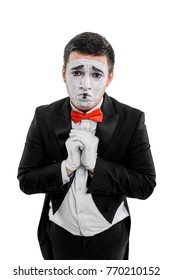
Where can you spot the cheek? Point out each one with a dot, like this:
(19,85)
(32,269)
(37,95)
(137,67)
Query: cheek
(71,85)
(99,88)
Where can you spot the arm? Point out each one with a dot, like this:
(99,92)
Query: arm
(35,173)
(135,179)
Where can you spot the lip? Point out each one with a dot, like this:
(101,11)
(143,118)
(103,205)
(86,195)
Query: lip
(86,99)
(80,95)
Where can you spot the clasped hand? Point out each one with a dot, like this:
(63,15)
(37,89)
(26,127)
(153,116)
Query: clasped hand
(82,149)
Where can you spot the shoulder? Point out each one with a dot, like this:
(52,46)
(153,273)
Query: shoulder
(121,107)
(45,114)
(51,108)
(125,111)
(49,111)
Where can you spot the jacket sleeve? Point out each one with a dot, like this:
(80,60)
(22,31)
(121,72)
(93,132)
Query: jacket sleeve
(136,179)
(35,173)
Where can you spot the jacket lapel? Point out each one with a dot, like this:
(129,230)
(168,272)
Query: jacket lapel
(105,130)
(62,125)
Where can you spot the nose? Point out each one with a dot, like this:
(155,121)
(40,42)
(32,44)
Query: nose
(85,84)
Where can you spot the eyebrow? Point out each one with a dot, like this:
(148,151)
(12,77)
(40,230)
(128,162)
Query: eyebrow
(81,66)
(96,69)
(77,67)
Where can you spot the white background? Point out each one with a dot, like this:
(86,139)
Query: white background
(33,35)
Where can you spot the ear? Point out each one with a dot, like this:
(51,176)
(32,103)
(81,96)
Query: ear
(110,78)
(63,74)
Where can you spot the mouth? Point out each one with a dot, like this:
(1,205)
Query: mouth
(84,96)
(83,101)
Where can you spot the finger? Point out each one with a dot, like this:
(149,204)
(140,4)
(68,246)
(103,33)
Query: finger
(74,142)
(79,145)
(80,142)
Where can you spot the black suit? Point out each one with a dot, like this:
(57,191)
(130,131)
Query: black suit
(124,166)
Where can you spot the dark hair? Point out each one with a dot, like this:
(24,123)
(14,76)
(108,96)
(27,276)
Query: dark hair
(90,43)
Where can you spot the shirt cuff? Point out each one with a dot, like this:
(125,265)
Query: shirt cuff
(65,177)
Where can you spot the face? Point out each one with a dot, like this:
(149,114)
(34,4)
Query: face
(86,79)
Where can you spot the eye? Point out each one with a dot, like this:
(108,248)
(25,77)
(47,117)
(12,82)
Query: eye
(77,73)
(97,75)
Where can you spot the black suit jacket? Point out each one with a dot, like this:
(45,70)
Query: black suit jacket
(124,166)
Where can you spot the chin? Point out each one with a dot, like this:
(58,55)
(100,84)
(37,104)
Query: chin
(84,107)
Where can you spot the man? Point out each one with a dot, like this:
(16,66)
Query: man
(87,153)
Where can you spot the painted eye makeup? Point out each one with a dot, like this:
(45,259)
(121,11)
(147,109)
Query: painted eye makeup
(97,75)
(77,73)
(80,73)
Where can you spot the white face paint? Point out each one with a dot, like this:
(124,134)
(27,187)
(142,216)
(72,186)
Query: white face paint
(86,81)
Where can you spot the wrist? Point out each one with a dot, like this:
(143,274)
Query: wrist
(68,171)
(90,164)
(65,177)
(70,166)
(91,171)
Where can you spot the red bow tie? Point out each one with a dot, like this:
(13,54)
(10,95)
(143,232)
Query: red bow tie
(95,115)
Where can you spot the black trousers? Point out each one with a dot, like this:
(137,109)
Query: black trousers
(108,245)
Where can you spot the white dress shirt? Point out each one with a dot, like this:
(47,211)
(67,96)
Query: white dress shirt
(78,213)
